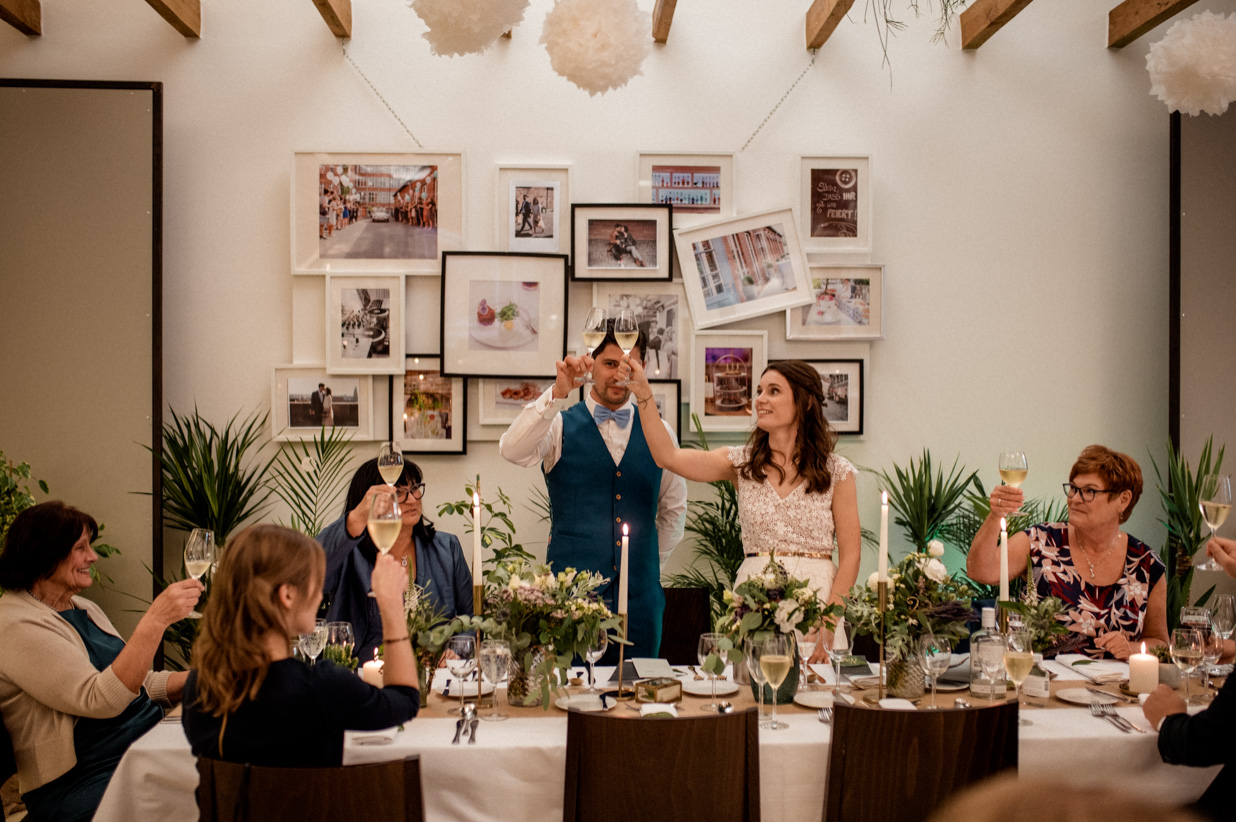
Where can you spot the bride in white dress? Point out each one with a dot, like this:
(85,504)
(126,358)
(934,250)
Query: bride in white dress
(794,494)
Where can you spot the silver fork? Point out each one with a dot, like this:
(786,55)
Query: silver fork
(826,715)
(1097,710)
(1110,710)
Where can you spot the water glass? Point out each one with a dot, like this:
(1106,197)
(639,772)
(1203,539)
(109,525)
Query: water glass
(461,662)
(842,647)
(806,647)
(708,645)
(751,653)
(1212,649)
(1223,617)
(341,635)
(936,653)
(311,644)
(495,665)
(593,654)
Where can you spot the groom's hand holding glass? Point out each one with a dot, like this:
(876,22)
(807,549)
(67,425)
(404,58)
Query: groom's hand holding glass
(570,372)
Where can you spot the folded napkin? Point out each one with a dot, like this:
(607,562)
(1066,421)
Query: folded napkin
(1102,671)
(894,704)
(956,676)
(382,737)
(860,668)
(657,709)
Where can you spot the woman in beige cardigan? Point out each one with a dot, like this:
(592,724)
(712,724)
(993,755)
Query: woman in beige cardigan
(73,694)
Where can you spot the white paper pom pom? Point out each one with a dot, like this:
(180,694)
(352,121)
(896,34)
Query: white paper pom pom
(597,44)
(467,26)
(1193,68)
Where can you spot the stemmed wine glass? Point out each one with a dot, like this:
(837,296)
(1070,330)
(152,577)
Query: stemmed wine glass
(341,636)
(1212,649)
(594,333)
(495,664)
(593,653)
(312,644)
(1013,469)
(1214,493)
(199,556)
(806,647)
(385,522)
(1186,653)
(751,653)
(1018,660)
(626,334)
(461,662)
(390,463)
(936,653)
(990,650)
(707,645)
(775,662)
(1223,618)
(842,647)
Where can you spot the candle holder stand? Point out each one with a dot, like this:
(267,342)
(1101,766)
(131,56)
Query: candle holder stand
(623,695)
(882,604)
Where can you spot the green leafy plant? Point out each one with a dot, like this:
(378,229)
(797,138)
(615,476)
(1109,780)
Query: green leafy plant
(922,500)
(310,476)
(340,656)
(1049,635)
(497,527)
(1182,516)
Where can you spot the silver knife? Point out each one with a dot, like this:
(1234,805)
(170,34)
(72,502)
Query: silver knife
(459,725)
(472,732)
(1109,693)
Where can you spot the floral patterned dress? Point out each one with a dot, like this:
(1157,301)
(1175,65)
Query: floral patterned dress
(1091,610)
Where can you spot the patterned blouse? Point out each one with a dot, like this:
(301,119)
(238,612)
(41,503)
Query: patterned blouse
(1091,610)
(800,523)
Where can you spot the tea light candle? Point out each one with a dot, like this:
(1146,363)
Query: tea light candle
(1143,672)
(1004,560)
(622,574)
(882,569)
(371,672)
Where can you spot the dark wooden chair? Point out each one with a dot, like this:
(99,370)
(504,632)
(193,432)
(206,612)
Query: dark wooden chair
(8,764)
(687,615)
(899,766)
(390,791)
(688,769)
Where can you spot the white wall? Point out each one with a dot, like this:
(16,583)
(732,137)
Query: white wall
(1020,196)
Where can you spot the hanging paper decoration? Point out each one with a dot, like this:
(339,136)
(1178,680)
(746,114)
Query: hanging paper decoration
(597,44)
(467,26)
(1193,68)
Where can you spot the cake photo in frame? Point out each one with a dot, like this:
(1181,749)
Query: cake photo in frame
(848,305)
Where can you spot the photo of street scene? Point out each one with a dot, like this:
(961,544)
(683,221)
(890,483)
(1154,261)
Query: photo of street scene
(657,316)
(836,397)
(744,267)
(377,212)
(535,211)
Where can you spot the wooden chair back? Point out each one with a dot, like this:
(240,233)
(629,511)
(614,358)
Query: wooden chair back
(8,763)
(687,615)
(688,769)
(231,792)
(899,766)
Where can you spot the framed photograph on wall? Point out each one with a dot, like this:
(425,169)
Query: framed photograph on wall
(661,313)
(364,325)
(843,393)
(848,305)
(700,187)
(429,412)
(740,268)
(365,212)
(621,241)
(668,396)
(304,399)
(835,203)
(532,207)
(503,399)
(725,371)
(503,314)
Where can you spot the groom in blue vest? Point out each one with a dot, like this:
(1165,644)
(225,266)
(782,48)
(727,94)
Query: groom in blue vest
(601,476)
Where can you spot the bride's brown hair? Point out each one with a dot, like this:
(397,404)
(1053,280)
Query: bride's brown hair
(229,654)
(816,438)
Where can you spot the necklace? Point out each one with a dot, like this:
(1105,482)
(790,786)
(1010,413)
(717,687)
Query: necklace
(1086,553)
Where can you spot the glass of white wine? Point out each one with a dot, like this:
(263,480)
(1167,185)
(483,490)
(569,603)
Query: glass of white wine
(390,463)
(385,522)
(1018,660)
(594,334)
(1214,493)
(775,662)
(1013,469)
(626,334)
(199,556)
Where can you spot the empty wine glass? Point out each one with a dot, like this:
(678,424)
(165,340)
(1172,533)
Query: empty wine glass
(1214,493)
(806,647)
(199,556)
(1223,617)
(495,664)
(461,662)
(708,645)
(1186,650)
(751,653)
(990,650)
(311,644)
(341,635)
(593,653)
(842,647)
(775,662)
(594,334)
(936,654)
(1212,649)
(390,463)
(626,334)
(1018,660)
(385,522)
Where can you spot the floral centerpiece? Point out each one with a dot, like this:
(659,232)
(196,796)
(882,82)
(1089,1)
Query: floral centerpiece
(770,603)
(923,598)
(429,627)
(548,619)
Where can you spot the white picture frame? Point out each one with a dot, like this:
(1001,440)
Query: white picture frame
(739,357)
(503,398)
(835,203)
(654,302)
(844,387)
(599,252)
(540,182)
(697,174)
(364,324)
(291,416)
(848,304)
(428,412)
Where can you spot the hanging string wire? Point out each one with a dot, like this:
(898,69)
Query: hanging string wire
(378,94)
(788,91)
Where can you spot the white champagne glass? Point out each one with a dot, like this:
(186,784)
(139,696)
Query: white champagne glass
(936,653)
(311,644)
(1013,469)
(751,653)
(385,522)
(1018,660)
(495,664)
(461,662)
(390,463)
(842,647)
(775,662)
(1214,493)
(626,333)
(594,333)
(707,645)
(806,647)
(199,556)
(594,653)
(1186,650)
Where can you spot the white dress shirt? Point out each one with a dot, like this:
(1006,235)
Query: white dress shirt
(536,437)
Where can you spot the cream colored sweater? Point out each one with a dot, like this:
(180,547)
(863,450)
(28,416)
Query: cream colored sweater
(47,682)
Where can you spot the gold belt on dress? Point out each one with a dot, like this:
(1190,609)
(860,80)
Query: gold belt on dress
(799,554)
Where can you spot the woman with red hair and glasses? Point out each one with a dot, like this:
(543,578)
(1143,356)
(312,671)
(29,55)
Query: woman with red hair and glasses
(1113,586)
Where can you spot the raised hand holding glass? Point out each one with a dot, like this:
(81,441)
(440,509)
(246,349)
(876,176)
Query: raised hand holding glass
(199,556)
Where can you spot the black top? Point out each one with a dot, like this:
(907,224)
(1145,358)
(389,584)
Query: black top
(1206,739)
(298,718)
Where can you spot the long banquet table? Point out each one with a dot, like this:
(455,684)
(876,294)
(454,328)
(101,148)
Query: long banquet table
(515,771)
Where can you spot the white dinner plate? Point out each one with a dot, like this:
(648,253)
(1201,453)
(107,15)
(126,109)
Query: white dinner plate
(814,699)
(459,689)
(584,702)
(499,336)
(1080,696)
(948,687)
(703,687)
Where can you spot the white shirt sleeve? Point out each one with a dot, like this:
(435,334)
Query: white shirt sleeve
(536,434)
(671,509)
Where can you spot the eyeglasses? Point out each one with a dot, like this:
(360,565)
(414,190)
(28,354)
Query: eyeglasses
(1087,494)
(415,491)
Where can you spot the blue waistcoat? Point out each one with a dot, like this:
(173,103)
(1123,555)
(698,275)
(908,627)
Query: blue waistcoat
(591,500)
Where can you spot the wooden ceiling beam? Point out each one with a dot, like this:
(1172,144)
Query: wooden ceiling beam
(822,20)
(338,16)
(986,17)
(662,19)
(184,15)
(24,15)
(1133,18)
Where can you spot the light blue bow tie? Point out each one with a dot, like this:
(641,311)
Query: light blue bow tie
(622,416)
